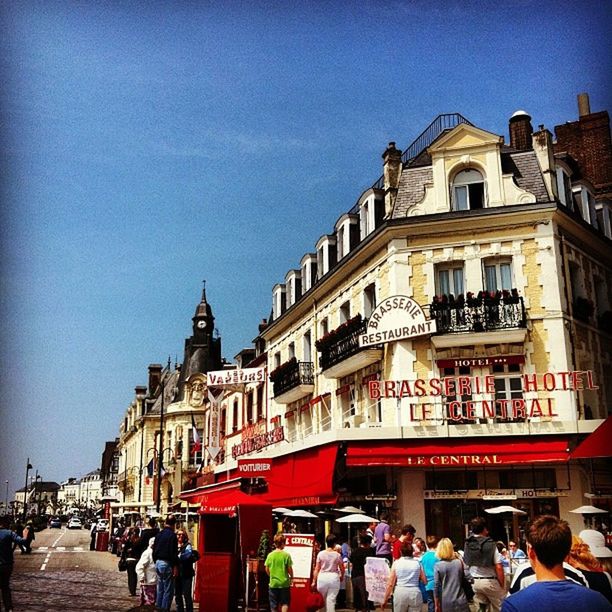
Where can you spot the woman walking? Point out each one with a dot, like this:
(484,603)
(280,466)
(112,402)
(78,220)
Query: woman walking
(449,571)
(406,575)
(147,576)
(183,582)
(328,573)
(129,555)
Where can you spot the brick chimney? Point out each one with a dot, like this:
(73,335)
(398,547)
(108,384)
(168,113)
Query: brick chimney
(520,131)
(155,371)
(588,142)
(392,170)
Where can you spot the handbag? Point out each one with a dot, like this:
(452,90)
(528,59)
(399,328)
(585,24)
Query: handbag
(466,582)
(314,601)
(122,565)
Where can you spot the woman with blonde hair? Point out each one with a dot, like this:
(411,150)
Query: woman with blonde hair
(449,572)
(581,557)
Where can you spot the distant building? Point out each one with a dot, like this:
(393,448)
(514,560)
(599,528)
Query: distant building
(41,497)
(109,469)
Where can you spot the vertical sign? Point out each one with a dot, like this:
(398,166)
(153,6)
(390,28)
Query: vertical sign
(214,438)
(300,546)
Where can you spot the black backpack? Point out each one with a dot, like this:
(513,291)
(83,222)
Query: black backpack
(479,551)
(195,555)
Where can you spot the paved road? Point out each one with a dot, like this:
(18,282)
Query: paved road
(62,574)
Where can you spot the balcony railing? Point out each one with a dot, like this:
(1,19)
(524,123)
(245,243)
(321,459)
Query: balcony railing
(487,311)
(291,374)
(342,342)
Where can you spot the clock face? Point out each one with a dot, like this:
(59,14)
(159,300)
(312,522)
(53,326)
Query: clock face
(201,324)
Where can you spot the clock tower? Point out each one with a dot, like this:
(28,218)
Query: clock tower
(203,349)
(203,321)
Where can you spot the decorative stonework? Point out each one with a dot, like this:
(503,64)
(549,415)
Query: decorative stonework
(196,390)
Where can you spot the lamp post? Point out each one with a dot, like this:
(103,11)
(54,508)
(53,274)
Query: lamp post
(37,491)
(161,445)
(142,397)
(25,490)
(6,498)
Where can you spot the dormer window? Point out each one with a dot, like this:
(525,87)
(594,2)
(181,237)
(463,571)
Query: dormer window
(586,204)
(468,190)
(564,188)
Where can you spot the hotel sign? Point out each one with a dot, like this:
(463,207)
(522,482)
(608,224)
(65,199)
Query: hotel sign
(258,442)
(493,494)
(397,318)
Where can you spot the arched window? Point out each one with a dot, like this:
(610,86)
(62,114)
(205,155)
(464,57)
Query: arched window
(468,190)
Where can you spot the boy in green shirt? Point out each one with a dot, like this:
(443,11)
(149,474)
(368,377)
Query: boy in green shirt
(279,568)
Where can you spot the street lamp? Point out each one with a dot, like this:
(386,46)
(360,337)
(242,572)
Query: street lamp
(25,490)
(6,498)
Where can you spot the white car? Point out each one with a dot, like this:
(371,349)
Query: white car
(74,523)
(102,525)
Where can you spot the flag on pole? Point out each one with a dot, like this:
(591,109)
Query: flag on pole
(195,437)
(150,470)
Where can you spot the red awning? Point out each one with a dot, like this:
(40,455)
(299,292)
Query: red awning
(223,498)
(458,453)
(304,478)
(597,444)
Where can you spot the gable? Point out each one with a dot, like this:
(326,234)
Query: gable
(465,137)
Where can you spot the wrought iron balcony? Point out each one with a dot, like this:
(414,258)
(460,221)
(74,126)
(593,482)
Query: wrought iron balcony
(293,376)
(485,312)
(342,342)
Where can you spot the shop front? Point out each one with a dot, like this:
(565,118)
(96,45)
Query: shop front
(440,485)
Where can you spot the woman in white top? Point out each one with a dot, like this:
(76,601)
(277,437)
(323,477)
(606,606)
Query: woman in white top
(147,576)
(328,573)
(406,573)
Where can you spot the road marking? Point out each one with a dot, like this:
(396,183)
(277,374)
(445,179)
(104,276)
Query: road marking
(78,549)
(44,565)
(61,548)
(42,548)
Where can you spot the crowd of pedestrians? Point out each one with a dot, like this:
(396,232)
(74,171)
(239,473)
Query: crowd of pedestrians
(556,570)
(161,563)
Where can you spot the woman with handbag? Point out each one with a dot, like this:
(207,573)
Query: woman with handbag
(404,582)
(449,575)
(128,556)
(328,573)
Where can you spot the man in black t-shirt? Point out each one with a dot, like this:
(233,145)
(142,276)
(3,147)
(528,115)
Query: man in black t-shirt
(358,560)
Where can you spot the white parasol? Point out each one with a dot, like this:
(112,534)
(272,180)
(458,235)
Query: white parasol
(280,510)
(301,514)
(350,510)
(356,518)
(502,509)
(588,510)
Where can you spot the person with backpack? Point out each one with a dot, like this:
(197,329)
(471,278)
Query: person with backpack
(485,562)
(184,580)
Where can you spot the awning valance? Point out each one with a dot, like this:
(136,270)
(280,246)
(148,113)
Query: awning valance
(458,452)
(224,498)
(597,444)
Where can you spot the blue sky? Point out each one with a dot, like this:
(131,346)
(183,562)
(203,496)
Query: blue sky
(146,146)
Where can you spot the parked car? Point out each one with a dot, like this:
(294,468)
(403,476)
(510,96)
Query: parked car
(55,523)
(74,523)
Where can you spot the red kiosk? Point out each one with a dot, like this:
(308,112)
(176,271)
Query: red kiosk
(231,523)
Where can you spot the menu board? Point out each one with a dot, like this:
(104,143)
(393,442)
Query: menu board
(377,572)
(300,546)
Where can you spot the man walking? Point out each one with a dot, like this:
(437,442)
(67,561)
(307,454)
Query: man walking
(165,555)
(382,535)
(279,567)
(8,539)
(485,562)
(549,540)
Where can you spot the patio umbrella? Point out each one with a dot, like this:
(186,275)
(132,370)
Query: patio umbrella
(350,510)
(280,510)
(587,513)
(356,518)
(588,510)
(505,510)
(301,514)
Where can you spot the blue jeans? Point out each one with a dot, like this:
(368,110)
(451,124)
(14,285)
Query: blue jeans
(165,584)
(431,606)
(182,587)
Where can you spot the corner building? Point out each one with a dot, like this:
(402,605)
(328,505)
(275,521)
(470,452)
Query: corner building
(506,248)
